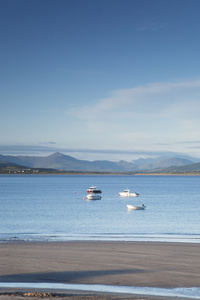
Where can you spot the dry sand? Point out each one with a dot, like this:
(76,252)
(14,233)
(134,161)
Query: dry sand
(144,264)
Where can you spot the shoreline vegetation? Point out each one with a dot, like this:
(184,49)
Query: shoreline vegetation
(38,171)
(26,294)
(7,169)
(31,294)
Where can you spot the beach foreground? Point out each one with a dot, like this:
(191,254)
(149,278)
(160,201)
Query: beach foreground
(143,264)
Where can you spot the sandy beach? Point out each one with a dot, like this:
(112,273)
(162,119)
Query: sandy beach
(142,264)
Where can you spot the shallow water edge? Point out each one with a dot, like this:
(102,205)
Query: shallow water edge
(192,293)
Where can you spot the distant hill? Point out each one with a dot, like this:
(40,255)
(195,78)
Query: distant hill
(162,162)
(9,167)
(63,162)
(59,161)
(5,164)
(190,169)
(12,168)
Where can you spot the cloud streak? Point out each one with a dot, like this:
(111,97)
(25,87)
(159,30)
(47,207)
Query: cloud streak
(151,26)
(156,117)
(38,150)
(153,116)
(171,99)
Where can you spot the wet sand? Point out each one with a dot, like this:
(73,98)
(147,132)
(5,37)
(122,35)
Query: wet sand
(143,264)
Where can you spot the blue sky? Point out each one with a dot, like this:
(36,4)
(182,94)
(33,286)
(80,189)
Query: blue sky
(100,79)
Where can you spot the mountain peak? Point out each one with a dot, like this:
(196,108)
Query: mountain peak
(56,154)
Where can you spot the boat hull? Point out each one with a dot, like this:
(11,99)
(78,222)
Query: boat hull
(123,194)
(93,197)
(136,207)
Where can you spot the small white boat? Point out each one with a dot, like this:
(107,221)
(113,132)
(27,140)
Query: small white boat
(92,196)
(135,207)
(126,193)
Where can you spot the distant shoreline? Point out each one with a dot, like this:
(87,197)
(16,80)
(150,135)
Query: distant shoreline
(100,173)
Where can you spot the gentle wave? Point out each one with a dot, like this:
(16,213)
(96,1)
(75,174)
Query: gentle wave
(193,293)
(187,238)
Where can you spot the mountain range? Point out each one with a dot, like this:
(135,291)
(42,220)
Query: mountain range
(59,161)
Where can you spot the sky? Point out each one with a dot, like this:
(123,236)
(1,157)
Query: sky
(100,79)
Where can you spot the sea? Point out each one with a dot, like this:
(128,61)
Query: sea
(55,208)
(46,208)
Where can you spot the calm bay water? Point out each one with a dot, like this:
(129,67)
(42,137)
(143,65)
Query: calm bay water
(52,208)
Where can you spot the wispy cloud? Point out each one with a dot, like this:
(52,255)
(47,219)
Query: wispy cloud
(144,116)
(189,142)
(81,72)
(26,149)
(47,143)
(151,26)
(51,110)
(41,150)
(169,99)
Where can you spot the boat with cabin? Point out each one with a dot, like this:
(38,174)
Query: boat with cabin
(94,190)
(93,193)
(126,193)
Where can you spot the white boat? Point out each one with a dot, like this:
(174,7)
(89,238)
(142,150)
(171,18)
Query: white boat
(93,189)
(92,196)
(126,193)
(136,207)
(93,193)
